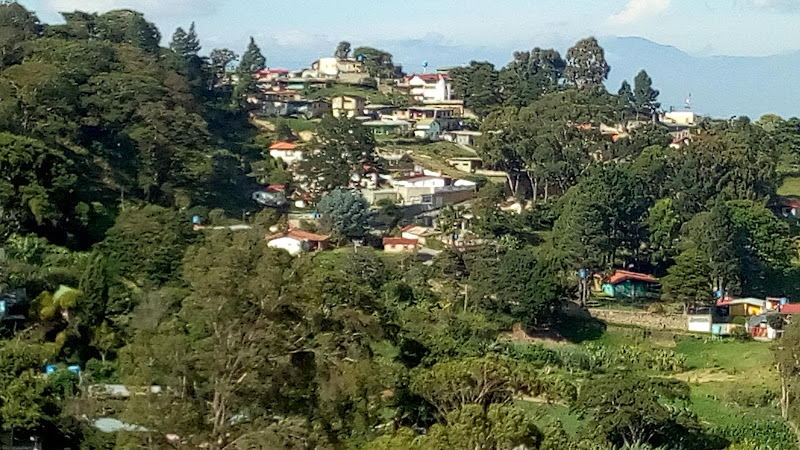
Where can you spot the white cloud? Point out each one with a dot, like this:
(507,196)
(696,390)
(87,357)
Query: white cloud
(636,10)
(154,8)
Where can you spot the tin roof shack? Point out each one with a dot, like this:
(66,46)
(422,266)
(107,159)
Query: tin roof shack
(623,283)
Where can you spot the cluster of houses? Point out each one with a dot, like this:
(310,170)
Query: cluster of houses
(409,185)
(435,114)
(719,319)
(417,191)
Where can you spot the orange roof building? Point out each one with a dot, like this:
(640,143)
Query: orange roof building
(297,241)
(283,146)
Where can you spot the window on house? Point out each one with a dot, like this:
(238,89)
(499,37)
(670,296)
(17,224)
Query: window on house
(427,199)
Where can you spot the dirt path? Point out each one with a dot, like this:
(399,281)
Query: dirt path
(700,376)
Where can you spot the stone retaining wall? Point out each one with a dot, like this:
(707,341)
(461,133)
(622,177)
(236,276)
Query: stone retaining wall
(641,319)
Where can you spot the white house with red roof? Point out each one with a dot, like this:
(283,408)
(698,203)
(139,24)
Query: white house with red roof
(431,87)
(400,245)
(297,241)
(286,151)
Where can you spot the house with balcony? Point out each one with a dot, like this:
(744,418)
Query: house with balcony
(424,191)
(430,87)
(348,106)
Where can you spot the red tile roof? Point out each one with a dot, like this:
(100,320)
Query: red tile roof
(269,71)
(300,235)
(432,77)
(283,145)
(790,308)
(623,275)
(275,188)
(408,227)
(398,241)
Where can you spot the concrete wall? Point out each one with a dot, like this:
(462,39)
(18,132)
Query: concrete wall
(641,319)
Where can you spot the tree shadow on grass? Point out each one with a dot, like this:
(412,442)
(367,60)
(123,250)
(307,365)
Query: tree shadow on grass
(577,329)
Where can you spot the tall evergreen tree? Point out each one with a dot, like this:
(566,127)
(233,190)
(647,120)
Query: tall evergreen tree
(625,93)
(252,60)
(178,43)
(192,42)
(689,280)
(645,96)
(478,85)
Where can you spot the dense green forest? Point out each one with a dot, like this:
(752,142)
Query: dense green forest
(110,143)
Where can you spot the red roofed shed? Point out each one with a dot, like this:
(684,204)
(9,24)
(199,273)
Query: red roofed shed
(623,283)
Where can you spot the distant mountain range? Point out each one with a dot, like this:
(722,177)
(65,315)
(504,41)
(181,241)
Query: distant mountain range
(720,86)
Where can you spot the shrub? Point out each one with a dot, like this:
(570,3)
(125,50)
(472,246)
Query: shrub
(753,399)
(768,434)
(739,320)
(536,355)
(740,334)
(664,360)
(102,371)
(577,359)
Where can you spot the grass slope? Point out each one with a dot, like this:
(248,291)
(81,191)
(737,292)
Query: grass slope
(732,382)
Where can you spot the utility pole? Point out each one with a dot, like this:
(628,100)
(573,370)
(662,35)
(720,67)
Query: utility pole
(583,287)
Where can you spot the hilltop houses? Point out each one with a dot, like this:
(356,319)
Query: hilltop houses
(435,87)
(348,106)
(426,191)
(335,67)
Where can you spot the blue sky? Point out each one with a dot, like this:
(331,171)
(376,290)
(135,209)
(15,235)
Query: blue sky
(292,31)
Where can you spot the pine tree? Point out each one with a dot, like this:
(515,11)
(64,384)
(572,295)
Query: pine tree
(644,95)
(192,42)
(252,60)
(185,44)
(625,93)
(179,42)
(689,280)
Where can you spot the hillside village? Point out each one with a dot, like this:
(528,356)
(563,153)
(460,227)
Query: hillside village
(198,250)
(426,111)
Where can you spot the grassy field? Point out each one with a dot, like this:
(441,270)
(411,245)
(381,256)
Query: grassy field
(373,96)
(732,382)
(790,187)
(298,125)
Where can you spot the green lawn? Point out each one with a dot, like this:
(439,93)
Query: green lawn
(373,96)
(732,382)
(298,125)
(790,187)
(730,379)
